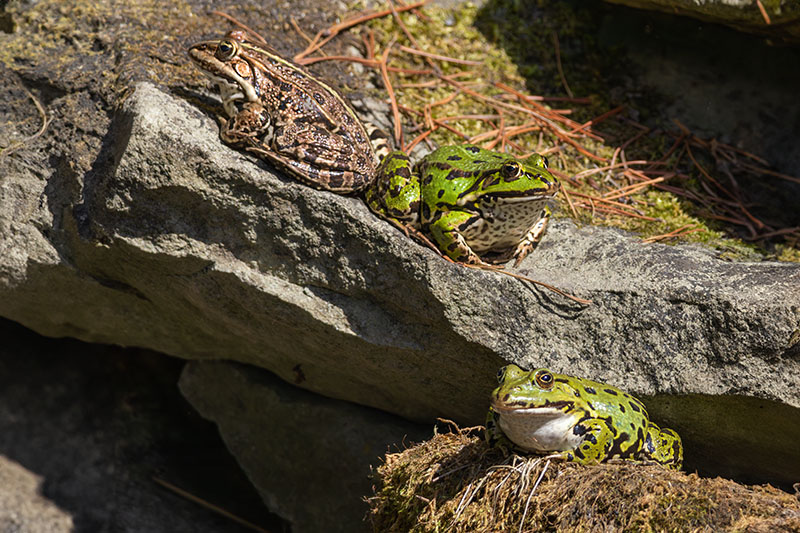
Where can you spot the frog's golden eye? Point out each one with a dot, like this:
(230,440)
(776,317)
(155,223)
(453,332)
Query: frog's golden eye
(545,163)
(544,379)
(226,50)
(501,374)
(512,169)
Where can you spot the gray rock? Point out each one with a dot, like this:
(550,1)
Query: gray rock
(85,429)
(310,457)
(184,246)
(23,509)
(740,14)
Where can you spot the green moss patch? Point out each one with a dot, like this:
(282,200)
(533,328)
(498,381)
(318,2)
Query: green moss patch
(453,482)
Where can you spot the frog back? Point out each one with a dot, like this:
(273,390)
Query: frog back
(626,416)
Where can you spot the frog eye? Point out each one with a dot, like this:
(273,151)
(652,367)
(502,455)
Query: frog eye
(545,163)
(501,374)
(226,50)
(512,169)
(544,379)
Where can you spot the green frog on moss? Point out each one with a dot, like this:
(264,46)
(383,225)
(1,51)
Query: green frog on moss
(473,203)
(576,419)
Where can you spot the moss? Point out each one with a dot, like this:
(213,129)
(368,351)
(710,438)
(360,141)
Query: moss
(453,482)
(101,46)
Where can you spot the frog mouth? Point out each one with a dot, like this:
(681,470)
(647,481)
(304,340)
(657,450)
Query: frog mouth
(522,196)
(546,409)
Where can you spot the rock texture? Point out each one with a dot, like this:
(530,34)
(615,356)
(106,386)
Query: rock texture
(298,447)
(84,429)
(745,15)
(23,509)
(187,247)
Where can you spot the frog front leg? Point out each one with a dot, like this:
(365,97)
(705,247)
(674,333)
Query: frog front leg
(444,228)
(251,126)
(533,236)
(495,438)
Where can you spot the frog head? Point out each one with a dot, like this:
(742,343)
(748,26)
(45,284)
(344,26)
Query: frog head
(231,63)
(503,179)
(537,410)
(536,389)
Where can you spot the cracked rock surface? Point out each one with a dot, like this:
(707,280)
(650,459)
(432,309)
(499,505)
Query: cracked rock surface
(176,243)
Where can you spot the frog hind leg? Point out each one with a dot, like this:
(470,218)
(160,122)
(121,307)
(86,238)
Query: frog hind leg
(598,439)
(321,158)
(662,446)
(381,143)
(395,194)
(533,236)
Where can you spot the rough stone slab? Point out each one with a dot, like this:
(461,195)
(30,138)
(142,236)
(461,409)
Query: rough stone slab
(743,15)
(309,457)
(176,243)
(23,509)
(85,428)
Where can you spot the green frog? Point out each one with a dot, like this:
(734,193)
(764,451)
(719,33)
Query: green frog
(577,419)
(284,114)
(478,206)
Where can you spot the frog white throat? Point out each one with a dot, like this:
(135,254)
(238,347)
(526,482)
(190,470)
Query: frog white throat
(538,429)
(504,224)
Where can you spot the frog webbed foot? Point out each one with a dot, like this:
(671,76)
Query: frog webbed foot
(252,126)
(495,438)
(444,231)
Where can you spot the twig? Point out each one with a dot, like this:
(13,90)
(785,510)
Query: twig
(590,171)
(430,55)
(299,30)
(599,119)
(758,170)
(530,280)
(631,189)
(528,502)
(318,42)
(398,129)
(419,138)
(235,22)
(408,34)
(45,122)
(219,510)
(564,136)
(763,12)
(560,68)
(571,205)
(311,60)
(674,233)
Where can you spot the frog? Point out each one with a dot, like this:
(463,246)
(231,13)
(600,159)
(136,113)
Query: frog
(284,114)
(480,207)
(576,420)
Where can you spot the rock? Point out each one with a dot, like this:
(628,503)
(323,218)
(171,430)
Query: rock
(184,246)
(743,15)
(23,508)
(298,447)
(85,429)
